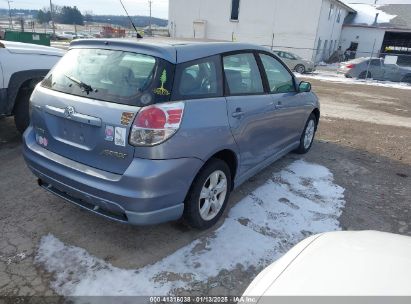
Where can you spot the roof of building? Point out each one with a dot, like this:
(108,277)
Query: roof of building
(395,16)
(171,50)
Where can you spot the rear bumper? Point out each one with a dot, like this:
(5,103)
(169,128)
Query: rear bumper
(149,191)
(345,72)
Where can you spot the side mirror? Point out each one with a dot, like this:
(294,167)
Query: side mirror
(304,87)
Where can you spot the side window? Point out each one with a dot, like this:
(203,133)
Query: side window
(279,79)
(376,62)
(242,74)
(289,56)
(199,79)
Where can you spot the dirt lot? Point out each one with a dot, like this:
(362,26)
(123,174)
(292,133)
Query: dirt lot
(364,140)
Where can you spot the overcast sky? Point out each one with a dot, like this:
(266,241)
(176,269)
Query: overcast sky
(135,7)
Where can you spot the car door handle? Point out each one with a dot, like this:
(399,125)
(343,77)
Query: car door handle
(278,105)
(238,113)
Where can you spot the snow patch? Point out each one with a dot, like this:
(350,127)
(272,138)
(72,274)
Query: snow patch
(299,201)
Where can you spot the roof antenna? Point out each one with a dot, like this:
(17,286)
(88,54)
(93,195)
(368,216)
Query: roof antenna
(131,20)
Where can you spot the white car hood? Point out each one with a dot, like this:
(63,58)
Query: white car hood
(27,48)
(364,263)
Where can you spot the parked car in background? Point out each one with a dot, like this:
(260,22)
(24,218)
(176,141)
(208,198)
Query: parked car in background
(295,62)
(146,133)
(365,263)
(22,66)
(68,35)
(375,68)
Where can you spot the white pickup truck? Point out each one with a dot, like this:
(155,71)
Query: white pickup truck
(22,66)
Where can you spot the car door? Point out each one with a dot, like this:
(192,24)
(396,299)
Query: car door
(286,60)
(391,72)
(289,110)
(247,108)
(376,69)
(289,60)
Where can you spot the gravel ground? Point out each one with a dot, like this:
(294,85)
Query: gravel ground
(370,159)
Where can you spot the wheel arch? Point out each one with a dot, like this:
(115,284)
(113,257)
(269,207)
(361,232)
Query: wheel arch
(21,80)
(230,158)
(316,112)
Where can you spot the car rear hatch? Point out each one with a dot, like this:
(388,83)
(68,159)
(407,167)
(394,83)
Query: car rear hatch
(84,108)
(88,131)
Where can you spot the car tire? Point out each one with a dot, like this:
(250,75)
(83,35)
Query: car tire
(299,68)
(22,110)
(364,75)
(308,135)
(203,194)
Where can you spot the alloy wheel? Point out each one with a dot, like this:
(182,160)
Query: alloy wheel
(309,134)
(213,195)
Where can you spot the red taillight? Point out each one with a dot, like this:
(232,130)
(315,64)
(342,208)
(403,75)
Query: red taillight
(155,124)
(151,118)
(350,66)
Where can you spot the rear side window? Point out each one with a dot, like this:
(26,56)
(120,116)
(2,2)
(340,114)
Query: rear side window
(198,79)
(114,76)
(376,62)
(242,74)
(279,79)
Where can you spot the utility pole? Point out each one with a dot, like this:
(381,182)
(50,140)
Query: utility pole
(150,2)
(52,20)
(10,20)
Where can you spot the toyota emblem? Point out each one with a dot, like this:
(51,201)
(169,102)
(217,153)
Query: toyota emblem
(69,111)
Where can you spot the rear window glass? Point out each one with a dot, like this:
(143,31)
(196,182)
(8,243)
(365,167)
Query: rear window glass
(114,76)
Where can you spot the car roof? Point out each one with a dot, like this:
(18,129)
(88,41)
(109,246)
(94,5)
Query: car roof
(173,51)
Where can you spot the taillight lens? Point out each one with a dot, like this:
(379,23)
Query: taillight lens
(155,124)
(350,66)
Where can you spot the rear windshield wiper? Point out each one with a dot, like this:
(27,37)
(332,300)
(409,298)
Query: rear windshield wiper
(86,87)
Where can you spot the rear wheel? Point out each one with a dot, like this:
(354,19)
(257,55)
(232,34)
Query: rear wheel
(22,110)
(364,75)
(307,138)
(208,196)
(300,69)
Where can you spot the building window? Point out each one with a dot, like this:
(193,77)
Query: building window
(339,16)
(319,46)
(325,48)
(331,11)
(235,9)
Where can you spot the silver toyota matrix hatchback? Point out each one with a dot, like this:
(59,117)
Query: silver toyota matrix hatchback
(147,133)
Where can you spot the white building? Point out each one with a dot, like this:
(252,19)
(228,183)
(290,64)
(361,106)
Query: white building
(378,29)
(309,28)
